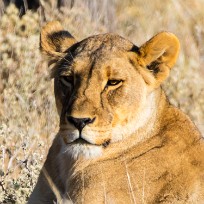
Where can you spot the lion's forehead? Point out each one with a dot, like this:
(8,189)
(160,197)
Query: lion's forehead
(101,44)
(98,52)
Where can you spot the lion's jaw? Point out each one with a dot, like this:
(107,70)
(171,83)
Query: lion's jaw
(86,148)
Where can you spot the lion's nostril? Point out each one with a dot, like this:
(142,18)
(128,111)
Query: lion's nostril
(80,123)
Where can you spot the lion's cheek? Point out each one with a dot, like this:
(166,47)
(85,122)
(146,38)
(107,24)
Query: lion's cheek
(120,117)
(121,104)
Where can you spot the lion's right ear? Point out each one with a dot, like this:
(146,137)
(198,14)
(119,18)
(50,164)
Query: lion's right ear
(54,40)
(159,55)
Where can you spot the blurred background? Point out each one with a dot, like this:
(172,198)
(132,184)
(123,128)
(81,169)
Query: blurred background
(28,117)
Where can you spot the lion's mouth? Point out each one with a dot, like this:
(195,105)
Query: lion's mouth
(73,137)
(82,141)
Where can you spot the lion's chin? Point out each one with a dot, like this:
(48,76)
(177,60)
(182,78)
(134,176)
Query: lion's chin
(81,149)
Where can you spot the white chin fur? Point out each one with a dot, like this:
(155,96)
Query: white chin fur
(85,151)
(79,150)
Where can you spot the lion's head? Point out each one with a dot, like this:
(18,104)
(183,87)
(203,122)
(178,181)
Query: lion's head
(105,86)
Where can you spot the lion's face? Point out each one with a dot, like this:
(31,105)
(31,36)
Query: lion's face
(101,91)
(103,87)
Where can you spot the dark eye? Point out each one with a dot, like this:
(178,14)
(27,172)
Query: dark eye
(113,82)
(66,80)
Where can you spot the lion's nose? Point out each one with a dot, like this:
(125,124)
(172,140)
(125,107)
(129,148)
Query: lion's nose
(80,123)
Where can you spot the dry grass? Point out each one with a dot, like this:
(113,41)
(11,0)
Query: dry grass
(28,118)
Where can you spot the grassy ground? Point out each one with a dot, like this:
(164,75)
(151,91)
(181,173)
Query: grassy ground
(28,118)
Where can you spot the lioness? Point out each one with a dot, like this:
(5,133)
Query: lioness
(119,141)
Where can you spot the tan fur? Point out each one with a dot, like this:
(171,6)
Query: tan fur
(56,45)
(139,148)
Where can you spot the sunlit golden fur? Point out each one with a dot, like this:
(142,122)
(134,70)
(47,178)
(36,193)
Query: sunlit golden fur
(137,148)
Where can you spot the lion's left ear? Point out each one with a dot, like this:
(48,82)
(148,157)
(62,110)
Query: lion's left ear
(159,55)
(54,40)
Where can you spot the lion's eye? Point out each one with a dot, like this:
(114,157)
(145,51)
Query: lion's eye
(66,80)
(113,82)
